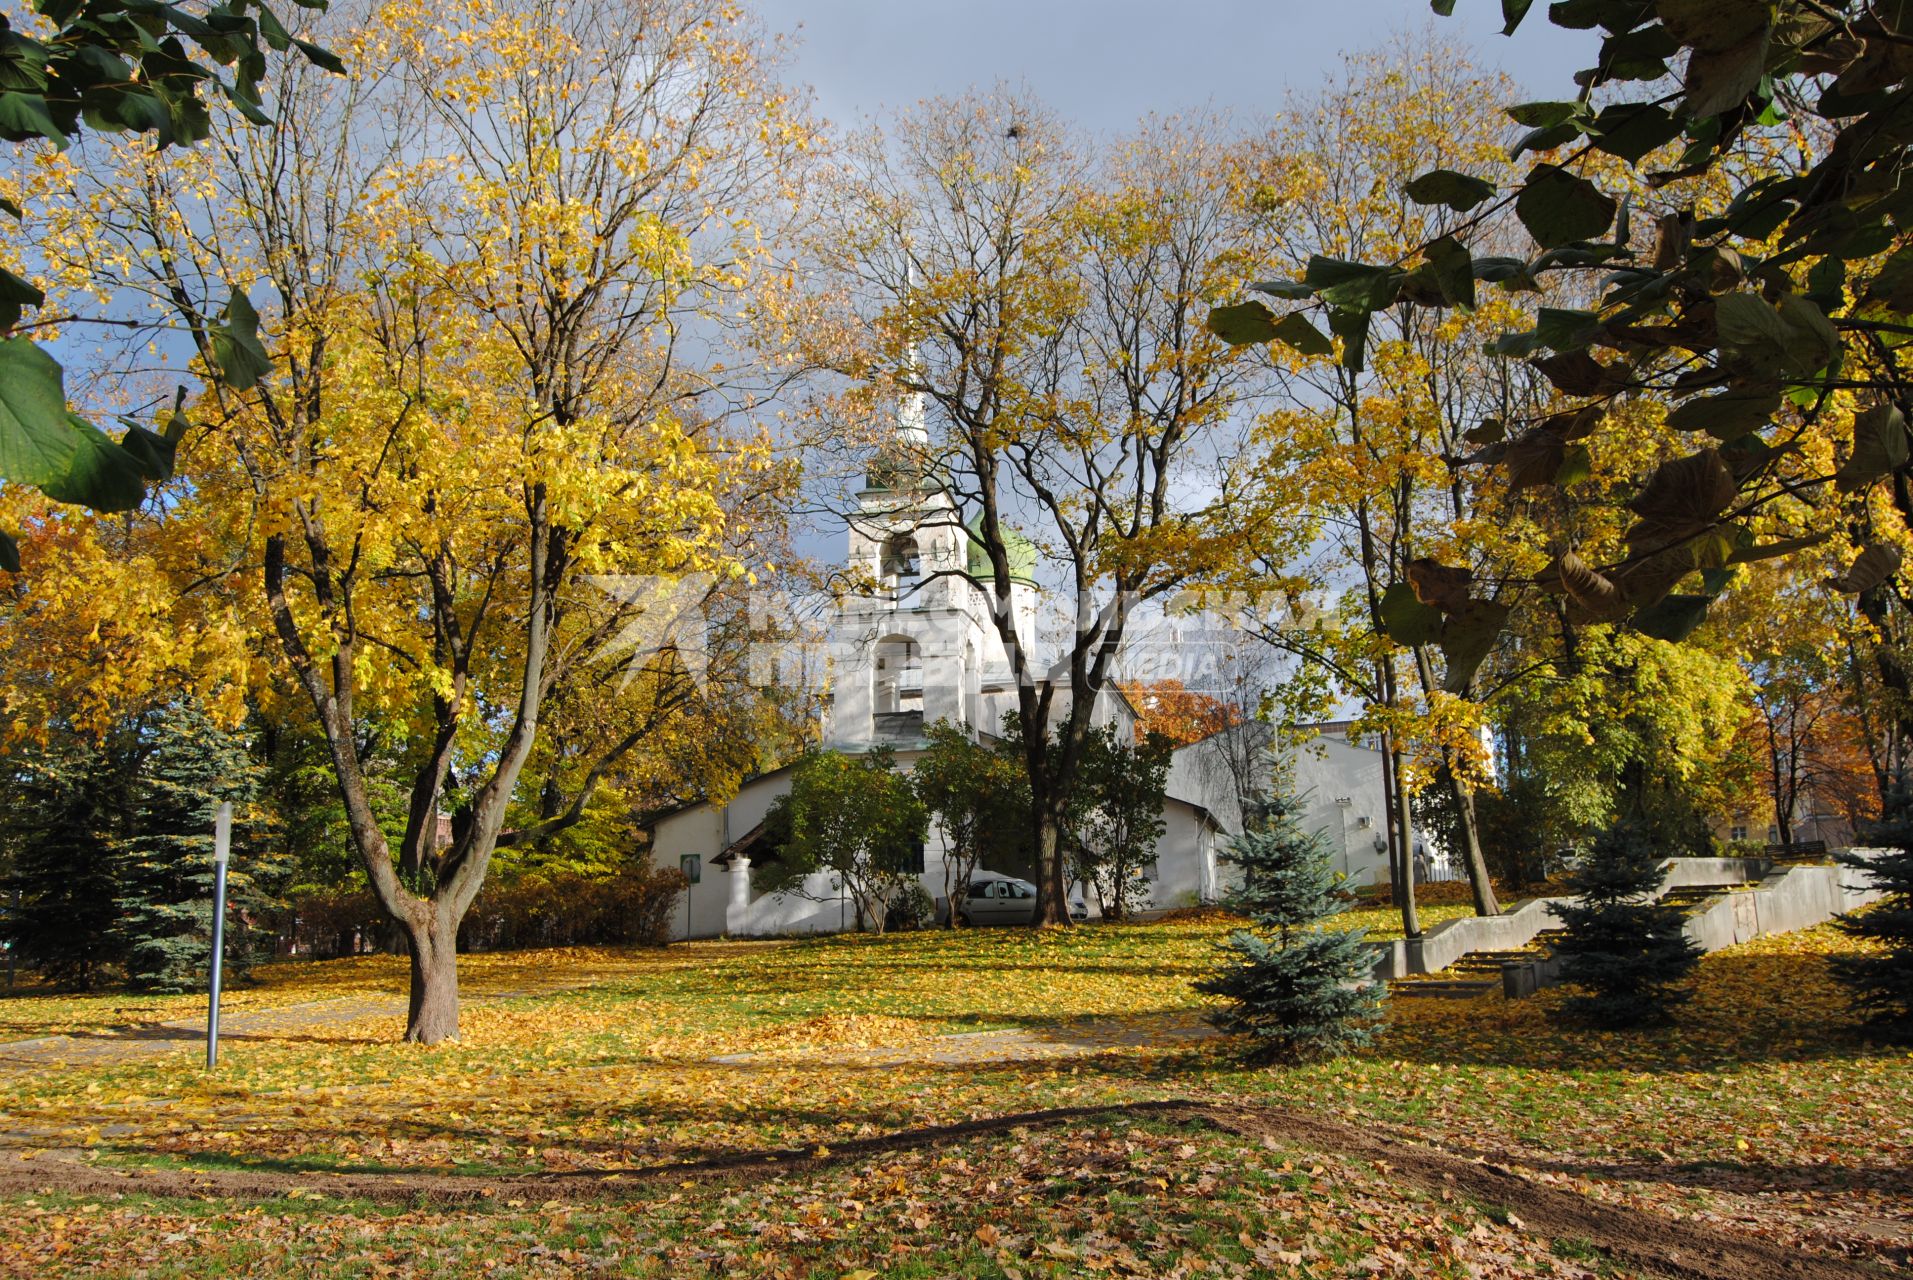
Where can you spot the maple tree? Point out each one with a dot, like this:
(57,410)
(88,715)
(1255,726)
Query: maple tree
(481,247)
(1180,714)
(1047,304)
(1355,452)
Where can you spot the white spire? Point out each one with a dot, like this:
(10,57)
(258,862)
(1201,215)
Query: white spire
(912,420)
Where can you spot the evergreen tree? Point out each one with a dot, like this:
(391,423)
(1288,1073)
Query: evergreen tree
(1883,984)
(1299,990)
(187,766)
(1623,949)
(60,812)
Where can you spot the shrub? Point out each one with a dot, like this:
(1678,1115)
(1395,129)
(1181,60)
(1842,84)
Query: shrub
(1298,991)
(910,908)
(1882,984)
(1624,950)
(632,906)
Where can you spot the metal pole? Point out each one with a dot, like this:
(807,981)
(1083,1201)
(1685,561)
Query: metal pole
(222,850)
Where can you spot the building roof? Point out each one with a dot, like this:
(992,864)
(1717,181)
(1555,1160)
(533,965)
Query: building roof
(1021,552)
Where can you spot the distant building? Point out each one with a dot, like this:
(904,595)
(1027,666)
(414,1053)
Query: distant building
(921,646)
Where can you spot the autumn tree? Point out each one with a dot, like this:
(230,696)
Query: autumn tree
(1178,713)
(1761,316)
(1047,303)
(1372,407)
(479,421)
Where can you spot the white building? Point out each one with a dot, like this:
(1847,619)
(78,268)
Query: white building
(922,647)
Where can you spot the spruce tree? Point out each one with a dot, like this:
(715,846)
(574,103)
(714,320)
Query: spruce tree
(60,810)
(1882,984)
(1299,991)
(187,766)
(1622,949)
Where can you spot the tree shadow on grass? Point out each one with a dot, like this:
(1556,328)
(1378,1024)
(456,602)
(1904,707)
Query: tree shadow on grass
(1745,1010)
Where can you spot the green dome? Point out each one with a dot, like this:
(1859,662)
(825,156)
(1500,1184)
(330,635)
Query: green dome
(1022,555)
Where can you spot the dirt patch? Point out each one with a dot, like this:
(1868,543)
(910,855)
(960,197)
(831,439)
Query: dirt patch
(1657,1244)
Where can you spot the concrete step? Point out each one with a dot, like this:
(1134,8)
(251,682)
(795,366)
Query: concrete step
(1440,988)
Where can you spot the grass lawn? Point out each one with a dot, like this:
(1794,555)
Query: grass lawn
(590,1131)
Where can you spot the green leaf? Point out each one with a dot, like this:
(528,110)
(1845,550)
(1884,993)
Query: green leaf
(1631,130)
(24,115)
(1406,620)
(1294,289)
(1295,330)
(1719,80)
(1352,328)
(1454,271)
(237,351)
(1559,208)
(37,444)
(152,454)
(1242,324)
(1733,412)
(1353,286)
(1577,464)
(1459,191)
(1814,344)
(1512,12)
(16,293)
(1673,618)
(320,57)
(1774,550)
(1547,139)
(1543,115)
(1751,330)
(1467,638)
(1445,8)
(1879,448)
(101,475)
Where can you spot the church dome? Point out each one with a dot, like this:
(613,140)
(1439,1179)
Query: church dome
(1022,554)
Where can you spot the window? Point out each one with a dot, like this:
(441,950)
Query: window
(913,863)
(1738,832)
(1011,889)
(983,890)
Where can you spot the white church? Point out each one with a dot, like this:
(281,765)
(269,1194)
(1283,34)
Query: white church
(922,647)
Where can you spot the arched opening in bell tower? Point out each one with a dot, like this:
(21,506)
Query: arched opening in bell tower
(897,681)
(902,566)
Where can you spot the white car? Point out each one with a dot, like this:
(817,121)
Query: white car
(994,898)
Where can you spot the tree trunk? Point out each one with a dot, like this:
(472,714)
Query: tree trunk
(1479,884)
(433,1014)
(1052,884)
(1405,831)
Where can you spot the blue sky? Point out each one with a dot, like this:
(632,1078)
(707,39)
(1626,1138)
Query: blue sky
(1105,63)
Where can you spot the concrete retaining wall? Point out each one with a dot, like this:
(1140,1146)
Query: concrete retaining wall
(1449,941)
(1795,898)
